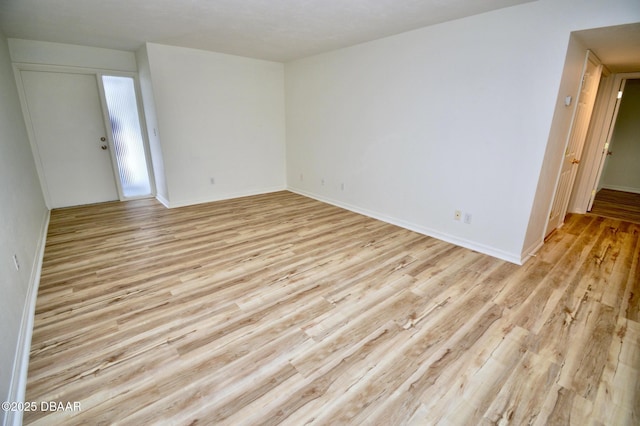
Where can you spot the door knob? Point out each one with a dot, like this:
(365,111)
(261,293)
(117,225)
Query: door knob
(104,147)
(575,161)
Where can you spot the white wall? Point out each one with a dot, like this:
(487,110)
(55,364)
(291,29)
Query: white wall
(151,118)
(47,53)
(450,117)
(558,136)
(208,115)
(23,217)
(622,170)
(31,54)
(219,116)
(579,14)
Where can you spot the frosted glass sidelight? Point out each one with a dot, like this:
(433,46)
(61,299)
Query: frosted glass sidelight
(127,136)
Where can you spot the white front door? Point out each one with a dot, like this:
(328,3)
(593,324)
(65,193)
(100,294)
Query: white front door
(575,144)
(70,137)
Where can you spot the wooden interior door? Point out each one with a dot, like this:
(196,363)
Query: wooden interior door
(575,144)
(70,137)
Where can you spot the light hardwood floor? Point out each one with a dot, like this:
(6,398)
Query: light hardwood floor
(280,309)
(617,205)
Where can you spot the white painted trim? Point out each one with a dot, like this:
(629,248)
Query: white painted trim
(531,251)
(162,200)
(227,196)
(17,73)
(590,57)
(622,188)
(18,383)
(620,81)
(471,245)
(110,139)
(18,67)
(593,147)
(63,54)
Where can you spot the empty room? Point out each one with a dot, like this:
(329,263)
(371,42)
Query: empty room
(365,212)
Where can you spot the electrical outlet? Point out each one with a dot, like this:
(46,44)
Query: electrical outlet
(15,262)
(457,215)
(467,218)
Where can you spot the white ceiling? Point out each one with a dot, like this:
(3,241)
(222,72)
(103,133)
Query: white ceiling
(278,30)
(617,47)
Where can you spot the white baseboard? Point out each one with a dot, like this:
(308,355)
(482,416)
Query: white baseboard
(162,200)
(531,251)
(622,188)
(21,360)
(226,196)
(472,245)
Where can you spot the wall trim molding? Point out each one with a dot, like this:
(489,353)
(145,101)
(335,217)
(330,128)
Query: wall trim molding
(162,200)
(532,250)
(622,188)
(21,361)
(225,196)
(471,245)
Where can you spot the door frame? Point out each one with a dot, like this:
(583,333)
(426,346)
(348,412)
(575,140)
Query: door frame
(582,188)
(19,67)
(143,130)
(598,142)
(590,57)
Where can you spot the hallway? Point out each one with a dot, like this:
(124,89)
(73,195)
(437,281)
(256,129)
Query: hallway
(617,205)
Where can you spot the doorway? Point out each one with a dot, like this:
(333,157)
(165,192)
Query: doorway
(600,140)
(618,188)
(616,47)
(590,81)
(86,136)
(70,138)
(620,171)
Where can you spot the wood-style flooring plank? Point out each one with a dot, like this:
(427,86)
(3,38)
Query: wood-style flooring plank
(279,309)
(617,205)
